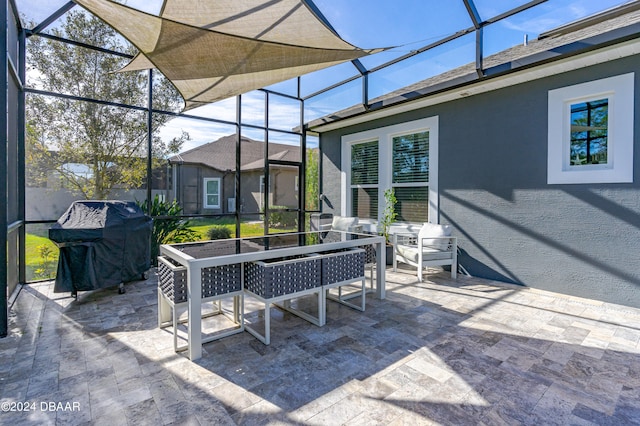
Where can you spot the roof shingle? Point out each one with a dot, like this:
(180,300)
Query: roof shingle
(221,154)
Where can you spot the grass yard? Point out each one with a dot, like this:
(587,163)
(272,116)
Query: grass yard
(41,257)
(42,253)
(247,229)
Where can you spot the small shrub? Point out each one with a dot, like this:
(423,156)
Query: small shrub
(45,269)
(218,232)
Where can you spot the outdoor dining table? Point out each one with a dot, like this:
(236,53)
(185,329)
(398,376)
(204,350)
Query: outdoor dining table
(205,254)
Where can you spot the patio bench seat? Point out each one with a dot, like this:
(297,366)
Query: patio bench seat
(217,283)
(281,280)
(342,268)
(411,253)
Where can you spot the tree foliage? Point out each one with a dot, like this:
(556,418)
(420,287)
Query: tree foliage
(389,213)
(109,141)
(312,177)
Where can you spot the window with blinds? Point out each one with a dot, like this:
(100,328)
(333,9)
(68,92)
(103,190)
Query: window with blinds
(364,180)
(410,176)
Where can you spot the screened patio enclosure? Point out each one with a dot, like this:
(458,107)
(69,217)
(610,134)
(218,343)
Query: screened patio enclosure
(69,135)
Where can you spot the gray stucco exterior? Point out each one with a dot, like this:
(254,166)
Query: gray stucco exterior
(579,239)
(217,160)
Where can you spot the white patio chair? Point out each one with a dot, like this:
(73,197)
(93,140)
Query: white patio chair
(343,223)
(320,221)
(433,245)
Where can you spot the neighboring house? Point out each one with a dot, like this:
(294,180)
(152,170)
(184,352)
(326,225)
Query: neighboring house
(205,176)
(533,159)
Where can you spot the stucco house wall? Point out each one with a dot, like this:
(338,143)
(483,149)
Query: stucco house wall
(577,239)
(283,190)
(217,160)
(250,189)
(190,188)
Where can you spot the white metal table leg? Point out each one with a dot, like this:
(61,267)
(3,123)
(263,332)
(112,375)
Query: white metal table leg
(194,298)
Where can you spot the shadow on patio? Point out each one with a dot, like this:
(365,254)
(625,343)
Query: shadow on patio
(453,352)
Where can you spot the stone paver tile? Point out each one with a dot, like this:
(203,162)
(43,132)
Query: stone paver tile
(115,416)
(143,413)
(438,352)
(559,352)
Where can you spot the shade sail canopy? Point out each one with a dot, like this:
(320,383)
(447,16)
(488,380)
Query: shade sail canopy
(213,49)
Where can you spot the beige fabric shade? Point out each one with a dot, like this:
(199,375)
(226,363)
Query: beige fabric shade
(215,49)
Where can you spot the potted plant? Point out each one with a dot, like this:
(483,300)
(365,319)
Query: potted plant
(388,218)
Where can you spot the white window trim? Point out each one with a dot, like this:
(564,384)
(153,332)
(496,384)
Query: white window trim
(619,90)
(384,136)
(204,186)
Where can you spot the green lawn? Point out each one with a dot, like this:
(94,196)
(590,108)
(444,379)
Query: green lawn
(42,253)
(41,257)
(247,229)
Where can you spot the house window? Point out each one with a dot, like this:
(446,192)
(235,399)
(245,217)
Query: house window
(410,176)
(590,136)
(403,157)
(212,193)
(364,179)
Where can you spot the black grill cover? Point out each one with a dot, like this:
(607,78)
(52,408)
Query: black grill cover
(102,244)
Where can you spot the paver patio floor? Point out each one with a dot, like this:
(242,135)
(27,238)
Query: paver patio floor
(469,351)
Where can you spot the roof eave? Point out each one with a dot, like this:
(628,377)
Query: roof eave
(197,164)
(531,67)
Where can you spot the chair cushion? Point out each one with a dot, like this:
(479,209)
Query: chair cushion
(411,253)
(343,223)
(435,230)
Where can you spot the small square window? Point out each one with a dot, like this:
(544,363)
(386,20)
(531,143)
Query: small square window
(590,136)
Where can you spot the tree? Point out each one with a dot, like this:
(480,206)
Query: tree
(109,142)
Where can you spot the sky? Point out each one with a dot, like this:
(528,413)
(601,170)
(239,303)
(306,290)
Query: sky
(403,25)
